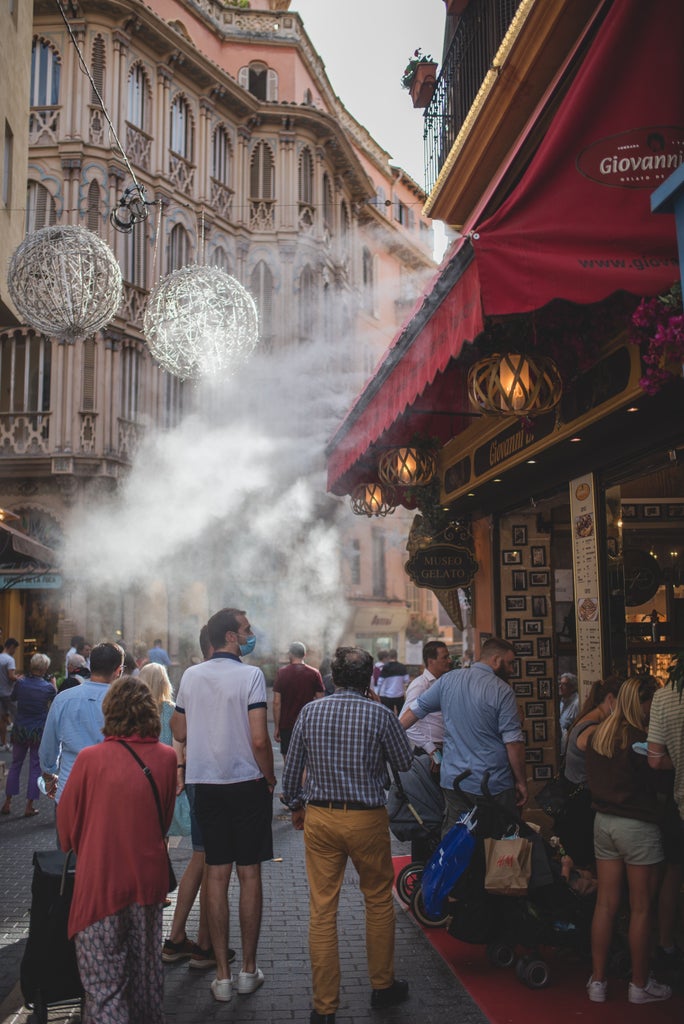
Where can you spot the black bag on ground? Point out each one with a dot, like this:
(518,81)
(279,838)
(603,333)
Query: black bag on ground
(49,972)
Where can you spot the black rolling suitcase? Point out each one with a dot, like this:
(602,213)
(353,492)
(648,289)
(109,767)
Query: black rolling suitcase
(49,973)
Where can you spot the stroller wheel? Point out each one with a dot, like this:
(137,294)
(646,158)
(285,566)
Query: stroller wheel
(408,879)
(420,913)
(500,954)
(533,972)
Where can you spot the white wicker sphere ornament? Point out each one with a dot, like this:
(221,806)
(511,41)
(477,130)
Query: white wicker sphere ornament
(65,281)
(200,322)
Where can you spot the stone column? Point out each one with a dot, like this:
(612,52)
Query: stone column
(161,134)
(286,182)
(241,212)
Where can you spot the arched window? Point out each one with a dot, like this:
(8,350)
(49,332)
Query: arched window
(221,156)
(260,80)
(261,287)
(179,248)
(131,374)
(135,255)
(138,98)
(307,304)
(97,68)
(93,218)
(262,173)
(40,207)
(306,177)
(182,129)
(327,203)
(45,67)
(368,297)
(25,364)
(220,258)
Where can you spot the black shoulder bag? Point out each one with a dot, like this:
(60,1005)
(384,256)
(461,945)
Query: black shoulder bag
(173,883)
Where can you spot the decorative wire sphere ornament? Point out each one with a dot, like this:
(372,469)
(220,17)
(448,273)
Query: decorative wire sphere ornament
(373,499)
(200,322)
(65,281)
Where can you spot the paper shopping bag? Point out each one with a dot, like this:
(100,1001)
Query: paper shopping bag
(508,866)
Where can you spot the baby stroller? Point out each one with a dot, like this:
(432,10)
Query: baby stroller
(551,914)
(415,806)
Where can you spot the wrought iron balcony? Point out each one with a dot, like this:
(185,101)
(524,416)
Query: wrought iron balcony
(479,34)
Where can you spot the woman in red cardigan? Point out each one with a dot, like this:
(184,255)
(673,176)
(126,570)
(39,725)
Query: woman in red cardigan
(108,815)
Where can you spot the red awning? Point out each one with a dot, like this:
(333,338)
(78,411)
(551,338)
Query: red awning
(409,366)
(579,225)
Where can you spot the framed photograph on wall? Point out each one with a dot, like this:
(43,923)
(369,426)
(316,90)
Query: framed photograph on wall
(516,603)
(535,709)
(539,732)
(533,626)
(515,669)
(544,689)
(535,668)
(519,579)
(512,629)
(519,535)
(542,772)
(522,689)
(544,647)
(524,648)
(511,557)
(538,556)
(539,606)
(539,578)
(534,755)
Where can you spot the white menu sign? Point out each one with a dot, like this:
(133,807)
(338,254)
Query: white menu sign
(586,572)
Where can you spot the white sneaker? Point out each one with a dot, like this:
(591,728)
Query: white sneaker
(222,990)
(597,990)
(652,992)
(247,982)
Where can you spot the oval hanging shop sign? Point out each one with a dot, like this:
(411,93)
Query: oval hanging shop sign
(639,158)
(442,567)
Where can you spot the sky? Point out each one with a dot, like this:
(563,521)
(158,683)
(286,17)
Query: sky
(365,45)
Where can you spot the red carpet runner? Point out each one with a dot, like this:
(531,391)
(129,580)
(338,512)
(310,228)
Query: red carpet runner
(505,1000)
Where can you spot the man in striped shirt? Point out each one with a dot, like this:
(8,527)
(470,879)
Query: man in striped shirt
(344,743)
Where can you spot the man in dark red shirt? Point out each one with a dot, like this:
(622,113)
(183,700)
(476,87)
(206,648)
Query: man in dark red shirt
(295,685)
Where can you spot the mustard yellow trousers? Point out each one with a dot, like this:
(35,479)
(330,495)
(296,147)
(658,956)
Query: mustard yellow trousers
(332,837)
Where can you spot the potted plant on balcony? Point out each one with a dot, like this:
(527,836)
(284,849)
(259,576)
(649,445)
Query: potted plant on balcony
(419,78)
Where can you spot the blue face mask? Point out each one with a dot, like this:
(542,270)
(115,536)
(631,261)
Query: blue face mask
(248,646)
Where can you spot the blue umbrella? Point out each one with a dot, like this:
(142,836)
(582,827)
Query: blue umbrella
(448,862)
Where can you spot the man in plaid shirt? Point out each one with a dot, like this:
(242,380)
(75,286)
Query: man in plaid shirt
(344,742)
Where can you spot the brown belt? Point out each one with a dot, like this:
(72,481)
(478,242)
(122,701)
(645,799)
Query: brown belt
(342,805)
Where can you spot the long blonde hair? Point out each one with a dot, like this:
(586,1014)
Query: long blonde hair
(613,732)
(157,678)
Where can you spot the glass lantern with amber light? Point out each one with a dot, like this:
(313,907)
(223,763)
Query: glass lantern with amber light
(411,466)
(373,499)
(515,385)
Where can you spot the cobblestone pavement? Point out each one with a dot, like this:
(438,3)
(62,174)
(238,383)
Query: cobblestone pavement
(436,994)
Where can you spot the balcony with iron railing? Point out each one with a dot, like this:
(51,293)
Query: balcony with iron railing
(479,34)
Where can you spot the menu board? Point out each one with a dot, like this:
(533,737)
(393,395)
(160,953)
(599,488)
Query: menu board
(586,578)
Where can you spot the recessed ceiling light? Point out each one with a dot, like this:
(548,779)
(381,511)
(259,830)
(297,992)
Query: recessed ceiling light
(471,494)
(633,408)
(531,462)
(497,479)
(574,440)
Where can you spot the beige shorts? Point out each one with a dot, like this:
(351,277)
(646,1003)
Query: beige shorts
(634,842)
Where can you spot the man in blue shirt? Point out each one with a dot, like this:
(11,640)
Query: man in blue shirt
(75,717)
(159,654)
(482,730)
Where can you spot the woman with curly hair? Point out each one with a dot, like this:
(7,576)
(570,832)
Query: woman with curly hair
(627,838)
(108,815)
(34,694)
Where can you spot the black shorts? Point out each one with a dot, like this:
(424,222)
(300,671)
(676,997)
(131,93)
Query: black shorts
(285,737)
(235,821)
(395,704)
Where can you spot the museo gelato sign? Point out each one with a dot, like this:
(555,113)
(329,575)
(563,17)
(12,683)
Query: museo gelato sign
(639,158)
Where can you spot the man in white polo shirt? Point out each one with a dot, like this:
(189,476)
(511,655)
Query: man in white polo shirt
(221,717)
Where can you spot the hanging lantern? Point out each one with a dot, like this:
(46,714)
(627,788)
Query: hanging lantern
(200,322)
(65,281)
(514,384)
(407,467)
(373,500)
